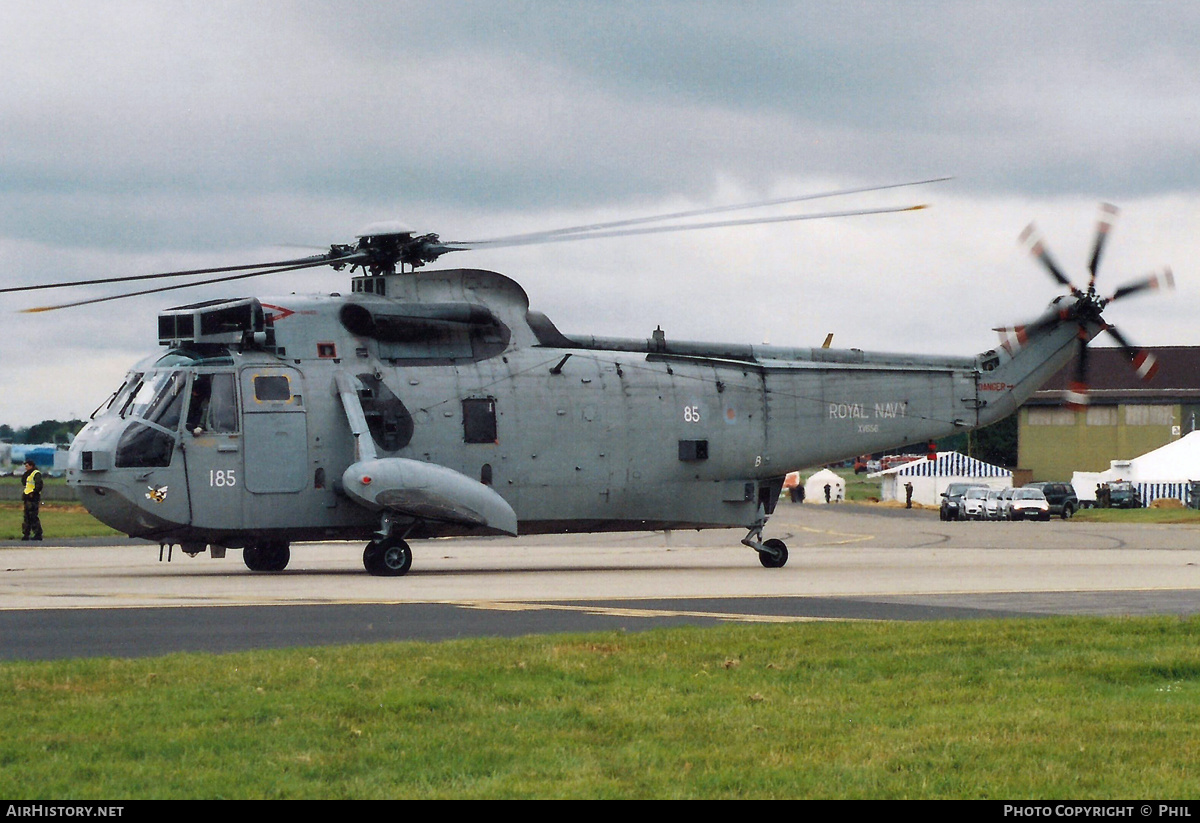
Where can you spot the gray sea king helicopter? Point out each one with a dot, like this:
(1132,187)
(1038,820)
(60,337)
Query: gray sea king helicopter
(435,403)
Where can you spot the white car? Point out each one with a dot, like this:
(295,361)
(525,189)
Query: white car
(971,507)
(994,507)
(1028,504)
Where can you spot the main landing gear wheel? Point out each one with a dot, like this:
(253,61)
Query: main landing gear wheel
(390,557)
(267,556)
(777,555)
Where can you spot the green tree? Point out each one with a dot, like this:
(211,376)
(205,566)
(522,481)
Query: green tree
(48,431)
(996,444)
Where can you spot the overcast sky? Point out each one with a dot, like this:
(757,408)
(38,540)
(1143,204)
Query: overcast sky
(139,137)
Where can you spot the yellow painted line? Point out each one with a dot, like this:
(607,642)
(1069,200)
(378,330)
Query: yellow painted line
(853,538)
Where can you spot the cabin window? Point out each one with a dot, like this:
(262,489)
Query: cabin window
(213,407)
(485,474)
(479,420)
(272,387)
(693,449)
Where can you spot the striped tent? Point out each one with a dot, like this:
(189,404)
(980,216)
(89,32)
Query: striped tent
(1164,472)
(929,478)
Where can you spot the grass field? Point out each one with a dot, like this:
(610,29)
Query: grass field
(1179,516)
(58,520)
(1033,709)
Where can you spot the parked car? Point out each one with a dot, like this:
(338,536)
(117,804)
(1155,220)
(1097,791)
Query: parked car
(971,506)
(1123,495)
(1060,496)
(1028,504)
(952,498)
(994,507)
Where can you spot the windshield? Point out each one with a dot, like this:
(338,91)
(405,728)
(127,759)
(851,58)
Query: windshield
(146,393)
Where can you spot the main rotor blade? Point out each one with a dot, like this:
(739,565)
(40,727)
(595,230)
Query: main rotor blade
(1163,280)
(681,215)
(1108,213)
(1144,363)
(312,260)
(1077,389)
(1013,338)
(1037,247)
(751,221)
(36,309)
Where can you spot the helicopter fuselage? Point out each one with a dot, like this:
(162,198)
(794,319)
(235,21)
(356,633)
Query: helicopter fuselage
(438,403)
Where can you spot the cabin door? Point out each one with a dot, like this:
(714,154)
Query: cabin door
(275,430)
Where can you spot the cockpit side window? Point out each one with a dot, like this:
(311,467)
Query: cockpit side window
(213,405)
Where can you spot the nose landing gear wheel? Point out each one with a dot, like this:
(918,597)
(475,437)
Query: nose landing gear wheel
(776,557)
(267,556)
(387,558)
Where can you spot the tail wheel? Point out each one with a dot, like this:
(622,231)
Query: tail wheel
(387,558)
(776,557)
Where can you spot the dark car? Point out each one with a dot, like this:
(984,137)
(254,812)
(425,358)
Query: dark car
(1122,495)
(1061,497)
(952,500)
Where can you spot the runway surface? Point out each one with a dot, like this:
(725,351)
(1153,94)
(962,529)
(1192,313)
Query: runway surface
(847,562)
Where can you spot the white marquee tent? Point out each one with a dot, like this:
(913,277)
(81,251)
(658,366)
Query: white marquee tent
(930,478)
(1163,472)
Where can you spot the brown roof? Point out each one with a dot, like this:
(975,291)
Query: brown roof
(1112,379)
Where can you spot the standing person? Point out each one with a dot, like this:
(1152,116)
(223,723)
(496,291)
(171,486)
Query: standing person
(31,495)
(908,490)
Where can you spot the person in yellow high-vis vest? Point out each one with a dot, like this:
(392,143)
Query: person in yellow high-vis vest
(31,494)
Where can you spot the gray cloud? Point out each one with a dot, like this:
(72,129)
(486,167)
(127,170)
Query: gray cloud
(143,136)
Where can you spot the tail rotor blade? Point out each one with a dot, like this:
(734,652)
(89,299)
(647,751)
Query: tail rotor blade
(1108,214)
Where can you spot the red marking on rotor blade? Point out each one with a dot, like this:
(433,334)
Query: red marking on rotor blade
(1146,365)
(1077,396)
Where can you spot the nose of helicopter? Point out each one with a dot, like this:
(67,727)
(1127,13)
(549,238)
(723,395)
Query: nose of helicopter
(138,501)
(114,508)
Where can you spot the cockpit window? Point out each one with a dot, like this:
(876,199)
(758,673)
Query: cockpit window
(167,406)
(146,393)
(143,446)
(117,398)
(126,395)
(213,407)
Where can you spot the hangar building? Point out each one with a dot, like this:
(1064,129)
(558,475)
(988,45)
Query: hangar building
(1125,418)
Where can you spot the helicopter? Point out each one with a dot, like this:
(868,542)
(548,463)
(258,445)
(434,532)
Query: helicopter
(435,402)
